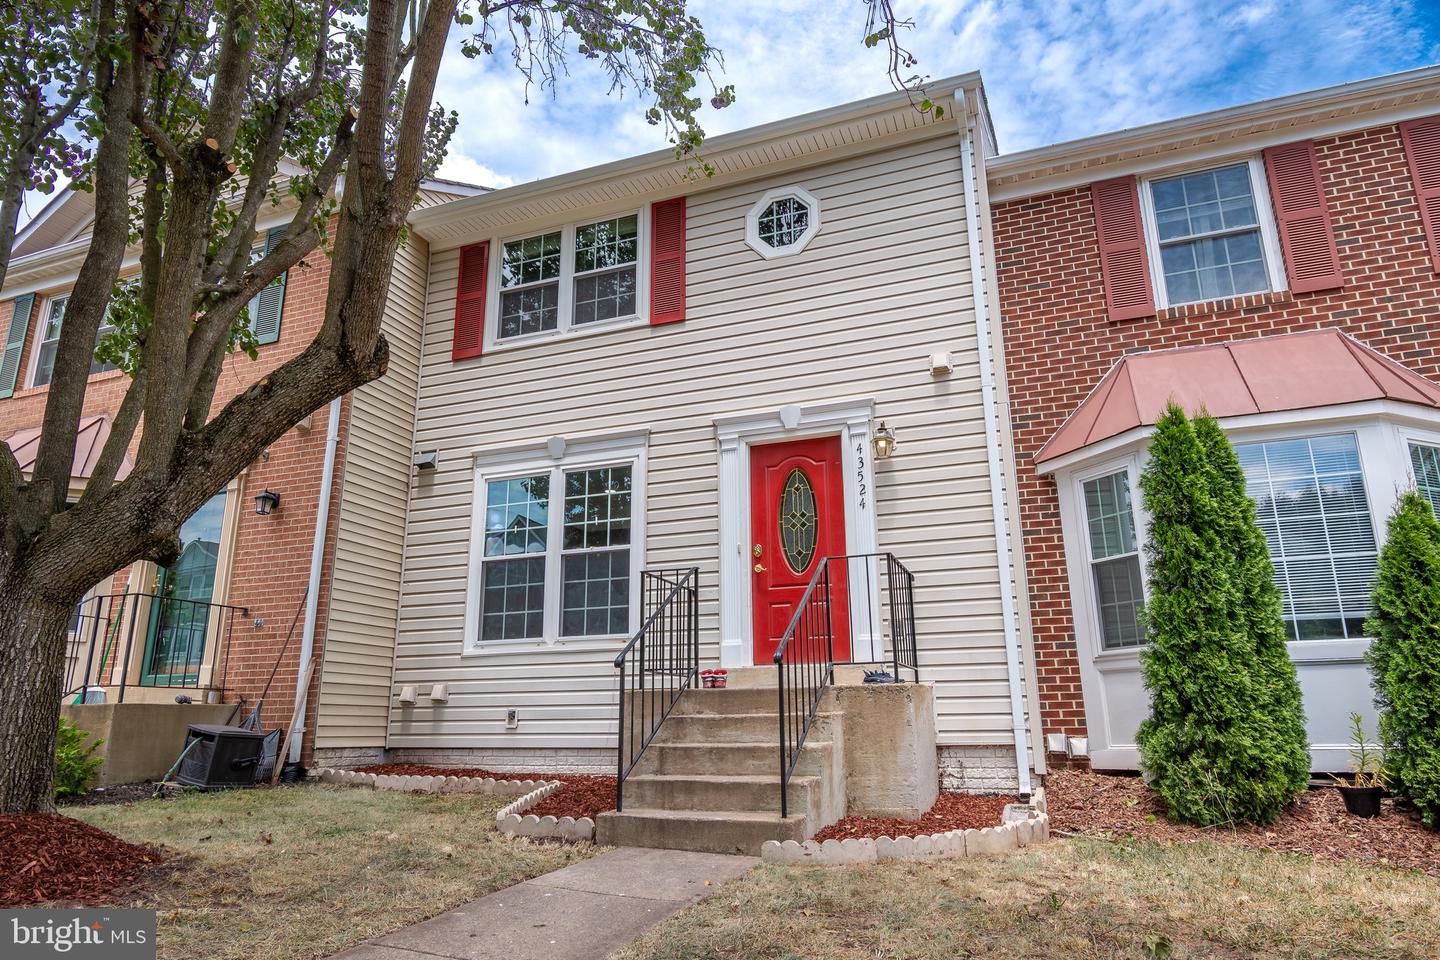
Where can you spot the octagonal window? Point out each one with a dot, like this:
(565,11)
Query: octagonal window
(782,222)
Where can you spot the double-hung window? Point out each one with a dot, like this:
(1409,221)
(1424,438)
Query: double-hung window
(1310,500)
(1114,559)
(1212,234)
(578,276)
(1425,465)
(50,343)
(556,556)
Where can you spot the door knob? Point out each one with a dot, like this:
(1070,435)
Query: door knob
(759,568)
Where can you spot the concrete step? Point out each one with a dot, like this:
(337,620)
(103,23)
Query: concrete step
(709,831)
(738,700)
(733,728)
(757,758)
(756,793)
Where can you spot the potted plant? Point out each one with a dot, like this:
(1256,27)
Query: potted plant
(1365,786)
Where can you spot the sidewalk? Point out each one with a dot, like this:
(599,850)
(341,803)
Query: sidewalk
(582,912)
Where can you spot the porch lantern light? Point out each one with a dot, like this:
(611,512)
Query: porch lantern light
(884,441)
(266,502)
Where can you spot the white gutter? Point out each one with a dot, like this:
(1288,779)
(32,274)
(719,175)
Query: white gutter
(1009,617)
(317,561)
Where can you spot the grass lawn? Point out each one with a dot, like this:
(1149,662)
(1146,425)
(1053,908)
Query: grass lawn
(301,872)
(1072,898)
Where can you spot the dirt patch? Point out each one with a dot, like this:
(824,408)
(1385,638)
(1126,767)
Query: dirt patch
(120,793)
(952,811)
(582,795)
(1101,804)
(48,858)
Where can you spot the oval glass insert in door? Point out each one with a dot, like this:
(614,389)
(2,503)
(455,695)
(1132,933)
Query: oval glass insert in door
(798,521)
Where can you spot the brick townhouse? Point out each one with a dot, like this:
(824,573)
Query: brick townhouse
(1275,263)
(212,626)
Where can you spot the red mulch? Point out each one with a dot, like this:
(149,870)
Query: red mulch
(582,796)
(1317,824)
(952,811)
(47,858)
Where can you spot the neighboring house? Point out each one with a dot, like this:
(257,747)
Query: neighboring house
(1275,264)
(213,624)
(631,372)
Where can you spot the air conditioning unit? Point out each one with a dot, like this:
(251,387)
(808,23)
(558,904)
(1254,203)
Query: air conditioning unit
(217,756)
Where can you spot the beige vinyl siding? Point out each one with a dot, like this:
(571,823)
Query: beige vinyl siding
(370,535)
(883,284)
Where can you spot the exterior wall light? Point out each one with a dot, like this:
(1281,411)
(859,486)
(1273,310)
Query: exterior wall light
(266,502)
(884,441)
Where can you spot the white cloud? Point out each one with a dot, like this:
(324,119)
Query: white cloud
(1053,69)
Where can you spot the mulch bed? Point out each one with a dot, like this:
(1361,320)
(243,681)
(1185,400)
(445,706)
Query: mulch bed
(952,811)
(582,796)
(48,858)
(1097,804)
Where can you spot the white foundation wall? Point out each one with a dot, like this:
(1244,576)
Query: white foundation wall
(883,285)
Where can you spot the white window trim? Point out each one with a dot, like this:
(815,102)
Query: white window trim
(752,222)
(565,304)
(1406,434)
(555,455)
(1264,213)
(851,420)
(39,320)
(1131,465)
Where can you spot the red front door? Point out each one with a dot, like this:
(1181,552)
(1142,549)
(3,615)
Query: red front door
(797,518)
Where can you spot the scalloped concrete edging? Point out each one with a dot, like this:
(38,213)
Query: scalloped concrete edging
(436,784)
(1025,824)
(510,820)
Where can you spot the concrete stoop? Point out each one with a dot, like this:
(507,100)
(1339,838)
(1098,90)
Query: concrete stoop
(710,781)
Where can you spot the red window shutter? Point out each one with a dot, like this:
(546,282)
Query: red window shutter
(667,261)
(470,301)
(1422,151)
(1123,264)
(1307,237)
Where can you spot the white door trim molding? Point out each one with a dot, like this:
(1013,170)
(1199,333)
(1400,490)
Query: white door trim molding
(734,434)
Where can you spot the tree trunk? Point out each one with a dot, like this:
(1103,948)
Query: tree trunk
(32,652)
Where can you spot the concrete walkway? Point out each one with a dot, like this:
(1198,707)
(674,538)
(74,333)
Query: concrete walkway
(582,912)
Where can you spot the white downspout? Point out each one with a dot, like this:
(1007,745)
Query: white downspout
(317,562)
(1008,613)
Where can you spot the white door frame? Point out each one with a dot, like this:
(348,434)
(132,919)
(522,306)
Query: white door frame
(850,420)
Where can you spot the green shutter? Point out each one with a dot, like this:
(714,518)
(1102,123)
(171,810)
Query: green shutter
(266,308)
(15,343)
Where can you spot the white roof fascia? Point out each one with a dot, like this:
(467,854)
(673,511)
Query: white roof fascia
(792,142)
(1218,133)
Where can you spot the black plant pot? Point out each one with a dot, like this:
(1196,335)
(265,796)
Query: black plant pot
(1362,801)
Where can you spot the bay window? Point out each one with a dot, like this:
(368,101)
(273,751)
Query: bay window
(1310,500)
(1425,465)
(1114,559)
(554,553)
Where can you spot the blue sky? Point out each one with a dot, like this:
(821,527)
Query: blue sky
(1053,69)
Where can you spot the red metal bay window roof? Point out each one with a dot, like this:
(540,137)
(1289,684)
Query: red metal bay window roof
(1291,372)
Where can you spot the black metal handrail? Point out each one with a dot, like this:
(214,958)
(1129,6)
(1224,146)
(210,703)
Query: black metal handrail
(805,657)
(659,663)
(179,638)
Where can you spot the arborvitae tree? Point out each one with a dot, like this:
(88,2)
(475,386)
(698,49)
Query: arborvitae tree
(1405,654)
(1261,611)
(1216,747)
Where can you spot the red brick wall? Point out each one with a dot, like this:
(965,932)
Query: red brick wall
(1059,342)
(270,556)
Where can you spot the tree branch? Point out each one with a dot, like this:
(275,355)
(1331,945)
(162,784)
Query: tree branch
(55,456)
